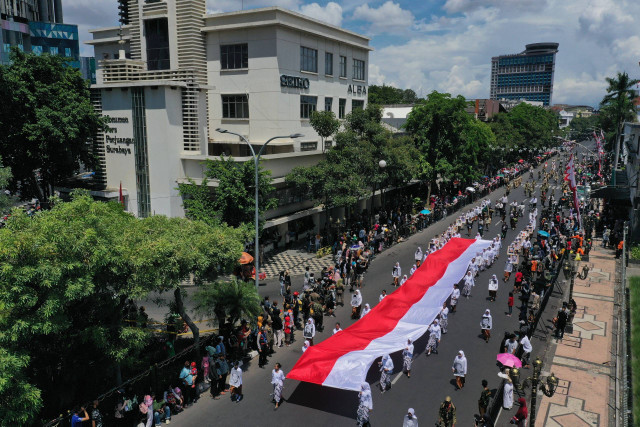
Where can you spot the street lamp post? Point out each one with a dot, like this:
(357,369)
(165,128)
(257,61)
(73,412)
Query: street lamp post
(256,162)
(382,164)
(548,389)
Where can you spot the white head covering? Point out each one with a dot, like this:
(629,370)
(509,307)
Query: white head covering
(459,353)
(487,313)
(412,412)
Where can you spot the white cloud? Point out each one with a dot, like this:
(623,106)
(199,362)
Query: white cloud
(331,13)
(388,18)
(463,6)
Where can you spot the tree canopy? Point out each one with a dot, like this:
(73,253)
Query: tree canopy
(617,106)
(233,200)
(5,177)
(325,124)
(46,119)
(385,95)
(67,274)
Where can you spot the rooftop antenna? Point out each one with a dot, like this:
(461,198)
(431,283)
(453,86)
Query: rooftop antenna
(121,52)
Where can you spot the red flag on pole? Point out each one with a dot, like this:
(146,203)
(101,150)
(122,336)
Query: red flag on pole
(120,196)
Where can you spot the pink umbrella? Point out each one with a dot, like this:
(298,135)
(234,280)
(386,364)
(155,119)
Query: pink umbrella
(510,360)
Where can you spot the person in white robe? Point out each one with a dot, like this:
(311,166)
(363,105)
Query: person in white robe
(444,318)
(469,282)
(305,346)
(365,310)
(277,380)
(507,394)
(404,280)
(493,288)
(413,270)
(365,405)
(418,256)
(455,295)
(410,419)
(486,324)
(386,370)
(396,273)
(407,357)
(356,304)
(459,369)
(435,334)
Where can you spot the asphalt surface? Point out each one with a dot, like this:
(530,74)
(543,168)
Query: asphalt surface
(431,377)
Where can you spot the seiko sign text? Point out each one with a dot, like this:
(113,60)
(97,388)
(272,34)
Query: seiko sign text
(295,82)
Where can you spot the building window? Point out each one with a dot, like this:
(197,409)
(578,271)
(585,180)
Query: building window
(342,106)
(309,146)
(343,66)
(308,104)
(234,56)
(139,120)
(67,52)
(327,104)
(357,104)
(6,47)
(157,37)
(235,107)
(36,50)
(53,50)
(308,59)
(358,69)
(328,64)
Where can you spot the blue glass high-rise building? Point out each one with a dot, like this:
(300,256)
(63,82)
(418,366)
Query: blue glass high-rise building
(37,26)
(527,75)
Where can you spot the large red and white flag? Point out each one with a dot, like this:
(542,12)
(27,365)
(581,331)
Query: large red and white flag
(343,360)
(570,174)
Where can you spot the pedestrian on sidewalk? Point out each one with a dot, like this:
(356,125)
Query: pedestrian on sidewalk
(455,295)
(235,382)
(277,325)
(459,369)
(507,394)
(435,333)
(510,304)
(281,280)
(386,370)
(561,321)
(222,371)
(485,397)
(527,348)
(493,288)
(486,324)
(277,380)
(407,357)
(410,420)
(447,413)
(263,347)
(365,405)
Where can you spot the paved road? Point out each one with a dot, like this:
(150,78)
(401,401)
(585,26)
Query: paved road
(431,378)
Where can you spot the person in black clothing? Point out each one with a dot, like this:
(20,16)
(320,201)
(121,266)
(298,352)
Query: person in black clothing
(561,322)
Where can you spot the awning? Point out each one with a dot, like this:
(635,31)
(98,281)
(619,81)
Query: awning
(618,193)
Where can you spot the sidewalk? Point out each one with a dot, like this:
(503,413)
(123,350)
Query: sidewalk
(294,260)
(584,361)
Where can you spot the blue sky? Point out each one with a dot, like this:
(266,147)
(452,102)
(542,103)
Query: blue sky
(447,45)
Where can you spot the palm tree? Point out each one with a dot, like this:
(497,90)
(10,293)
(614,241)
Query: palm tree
(228,300)
(620,96)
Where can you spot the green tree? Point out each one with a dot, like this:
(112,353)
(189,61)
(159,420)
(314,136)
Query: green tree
(46,119)
(385,95)
(618,106)
(66,276)
(233,200)
(581,128)
(228,301)
(325,124)
(5,176)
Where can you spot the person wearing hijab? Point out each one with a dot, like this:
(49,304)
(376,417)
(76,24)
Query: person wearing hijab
(435,333)
(469,283)
(413,270)
(404,280)
(507,394)
(356,304)
(493,288)
(455,295)
(410,420)
(407,357)
(520,419)
(418,256)
(444,318)
(309,331)
(486,324)
(386,370)
(396,273)
(277,380)
(365,406)
(459,368)
(306,346)
(365,311)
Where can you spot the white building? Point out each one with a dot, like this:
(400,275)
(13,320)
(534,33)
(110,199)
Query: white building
(174,75)
(565,118)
